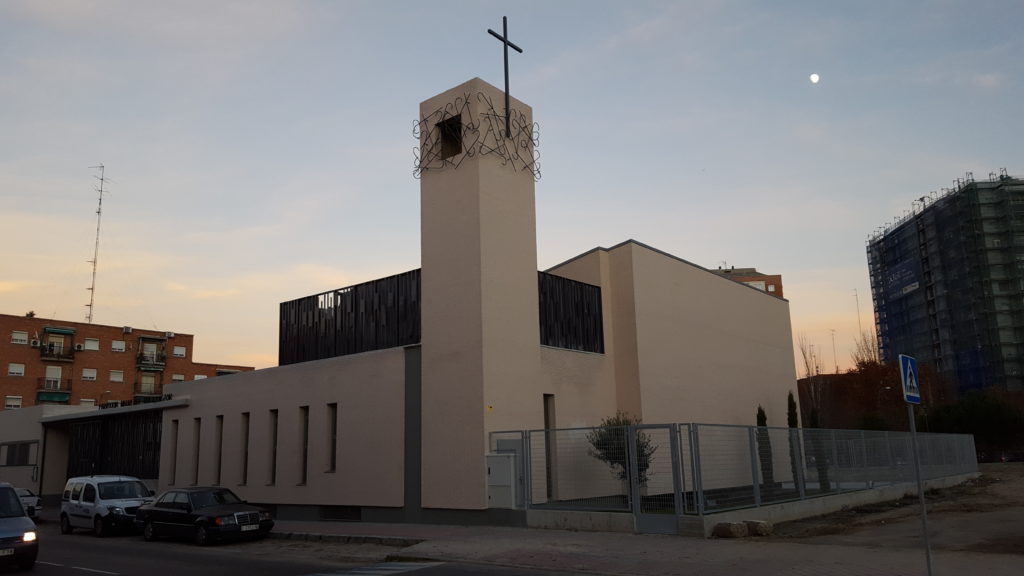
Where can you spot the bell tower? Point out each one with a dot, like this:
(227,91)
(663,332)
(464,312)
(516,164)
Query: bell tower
(480,326)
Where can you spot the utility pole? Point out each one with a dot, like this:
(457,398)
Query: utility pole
(96,248)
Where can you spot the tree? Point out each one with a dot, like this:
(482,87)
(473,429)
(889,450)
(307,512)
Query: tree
(764,449)
(865,350)
(791,417)
(609,444)
(794,440)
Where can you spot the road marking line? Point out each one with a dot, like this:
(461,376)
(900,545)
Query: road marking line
(96,571)
(48,563)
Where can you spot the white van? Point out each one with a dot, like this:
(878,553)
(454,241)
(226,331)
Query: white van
(102,503)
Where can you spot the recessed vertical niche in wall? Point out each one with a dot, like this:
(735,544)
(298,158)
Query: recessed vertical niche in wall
(451,136)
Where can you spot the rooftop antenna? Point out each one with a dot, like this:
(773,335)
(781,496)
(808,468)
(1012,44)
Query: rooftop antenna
(96,248)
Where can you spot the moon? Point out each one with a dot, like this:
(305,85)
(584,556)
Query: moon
(815,78)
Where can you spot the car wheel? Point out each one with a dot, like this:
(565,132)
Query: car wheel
(202,538)
(99,527)
(65,525)
(26,566)
(149,532)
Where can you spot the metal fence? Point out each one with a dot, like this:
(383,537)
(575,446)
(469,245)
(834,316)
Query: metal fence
(703,468)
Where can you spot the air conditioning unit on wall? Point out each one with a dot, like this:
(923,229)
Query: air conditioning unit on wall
(127,329)
(79,347)
(34,344)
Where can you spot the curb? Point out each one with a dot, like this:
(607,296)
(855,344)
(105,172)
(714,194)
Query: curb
(396,541)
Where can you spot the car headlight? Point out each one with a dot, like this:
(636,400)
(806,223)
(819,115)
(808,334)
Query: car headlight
(265,516)
(225,521)
(29,537)
(116,510)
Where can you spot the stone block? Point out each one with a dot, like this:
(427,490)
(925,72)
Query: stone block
(730,530)
(758,527)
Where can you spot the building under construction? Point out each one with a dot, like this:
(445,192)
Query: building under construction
(947,279)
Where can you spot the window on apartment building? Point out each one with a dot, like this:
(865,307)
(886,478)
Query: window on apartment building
(147,384)
(771,287)
(54,375)
(89,374)
(179,352)
(117,375)
(117,346)
(200,377)
(87,402)
(19,337)
(12,402)
(177,377)
(92,344)
(15,369)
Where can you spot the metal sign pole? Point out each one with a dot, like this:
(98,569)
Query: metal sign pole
(920,487)
(912,395)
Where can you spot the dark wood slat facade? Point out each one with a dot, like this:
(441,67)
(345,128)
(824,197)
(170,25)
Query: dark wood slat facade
(385,313)
(126,444)
(570,314)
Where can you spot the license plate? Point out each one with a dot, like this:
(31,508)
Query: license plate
(246,528)
(6,551)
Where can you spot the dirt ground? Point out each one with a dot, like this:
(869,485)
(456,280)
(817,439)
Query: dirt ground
(981,515)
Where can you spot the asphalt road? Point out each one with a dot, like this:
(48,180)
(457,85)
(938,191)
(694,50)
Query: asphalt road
(82,554)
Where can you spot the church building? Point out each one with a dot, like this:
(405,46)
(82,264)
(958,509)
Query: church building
(388,392)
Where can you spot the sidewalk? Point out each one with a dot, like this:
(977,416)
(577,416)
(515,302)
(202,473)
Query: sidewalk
(645,555)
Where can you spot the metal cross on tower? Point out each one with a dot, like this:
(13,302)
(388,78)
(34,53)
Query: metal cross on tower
(504,40)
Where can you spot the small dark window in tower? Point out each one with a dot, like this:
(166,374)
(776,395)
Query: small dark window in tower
(451,136)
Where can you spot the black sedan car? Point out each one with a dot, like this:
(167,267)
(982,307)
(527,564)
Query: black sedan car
(204,514)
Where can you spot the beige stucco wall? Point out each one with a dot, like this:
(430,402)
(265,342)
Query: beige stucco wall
(480,334)
(46,471)
(687,345)
(369,392)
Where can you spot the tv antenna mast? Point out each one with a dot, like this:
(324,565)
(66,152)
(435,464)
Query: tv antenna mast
(96,248)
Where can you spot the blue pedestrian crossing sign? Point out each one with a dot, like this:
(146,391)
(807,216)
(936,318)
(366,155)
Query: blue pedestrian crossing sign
(908,374)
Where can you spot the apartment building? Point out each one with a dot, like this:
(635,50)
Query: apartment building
(47,361)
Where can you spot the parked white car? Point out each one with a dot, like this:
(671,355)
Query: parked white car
(102,503)
(32,504)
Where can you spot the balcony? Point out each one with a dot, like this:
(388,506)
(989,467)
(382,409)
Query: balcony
(54,390)
(55,352)
(147,392)
(151,361)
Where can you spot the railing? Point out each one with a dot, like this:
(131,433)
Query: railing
(147,389)
(54,384)
(151,358)
(703,468)
(55,351)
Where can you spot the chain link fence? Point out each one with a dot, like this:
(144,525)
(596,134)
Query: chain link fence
(705,468)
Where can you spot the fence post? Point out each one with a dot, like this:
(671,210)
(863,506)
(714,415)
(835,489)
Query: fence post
(678,485)
(634,468)
(798,451)
(835,462)
(752,441)
(698,481)
(528,471)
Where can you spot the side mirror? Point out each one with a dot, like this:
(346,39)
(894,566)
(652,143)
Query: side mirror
(152,492)
(30,511)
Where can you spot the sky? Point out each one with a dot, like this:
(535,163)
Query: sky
(261,151)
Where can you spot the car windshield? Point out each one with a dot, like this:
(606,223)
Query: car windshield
(10,505)
(24,492)
(123,489)
(213,498)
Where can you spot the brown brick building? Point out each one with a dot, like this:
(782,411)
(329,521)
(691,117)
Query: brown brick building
(45,361)
(770,283)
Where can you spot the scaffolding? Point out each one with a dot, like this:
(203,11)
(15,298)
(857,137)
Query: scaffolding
(947,280)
